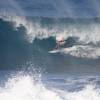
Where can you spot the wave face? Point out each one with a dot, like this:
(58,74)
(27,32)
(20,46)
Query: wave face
(29,39)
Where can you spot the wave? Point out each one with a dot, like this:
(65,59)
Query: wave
(23,87)
(82,31)
(87,30)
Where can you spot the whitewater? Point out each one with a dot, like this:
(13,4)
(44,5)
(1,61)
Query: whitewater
(24,87)
(29,31)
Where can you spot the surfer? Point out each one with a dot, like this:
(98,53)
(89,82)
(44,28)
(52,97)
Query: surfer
(60,41)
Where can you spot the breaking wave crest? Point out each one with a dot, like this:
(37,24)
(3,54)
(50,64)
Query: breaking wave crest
(85,30)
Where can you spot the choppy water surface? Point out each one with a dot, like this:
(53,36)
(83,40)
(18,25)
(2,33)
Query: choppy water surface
(28,32)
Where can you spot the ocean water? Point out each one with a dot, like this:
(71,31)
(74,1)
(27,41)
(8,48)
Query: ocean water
(28,32)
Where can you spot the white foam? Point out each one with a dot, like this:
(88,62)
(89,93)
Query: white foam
(81,51)
(88,93)
(24,88)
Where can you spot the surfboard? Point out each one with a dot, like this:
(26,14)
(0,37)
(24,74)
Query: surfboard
(61,50)
(56,50)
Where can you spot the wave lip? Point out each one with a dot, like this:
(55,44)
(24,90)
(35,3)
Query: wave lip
(86,32)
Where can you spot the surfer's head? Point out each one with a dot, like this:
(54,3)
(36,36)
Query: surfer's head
(60,38)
